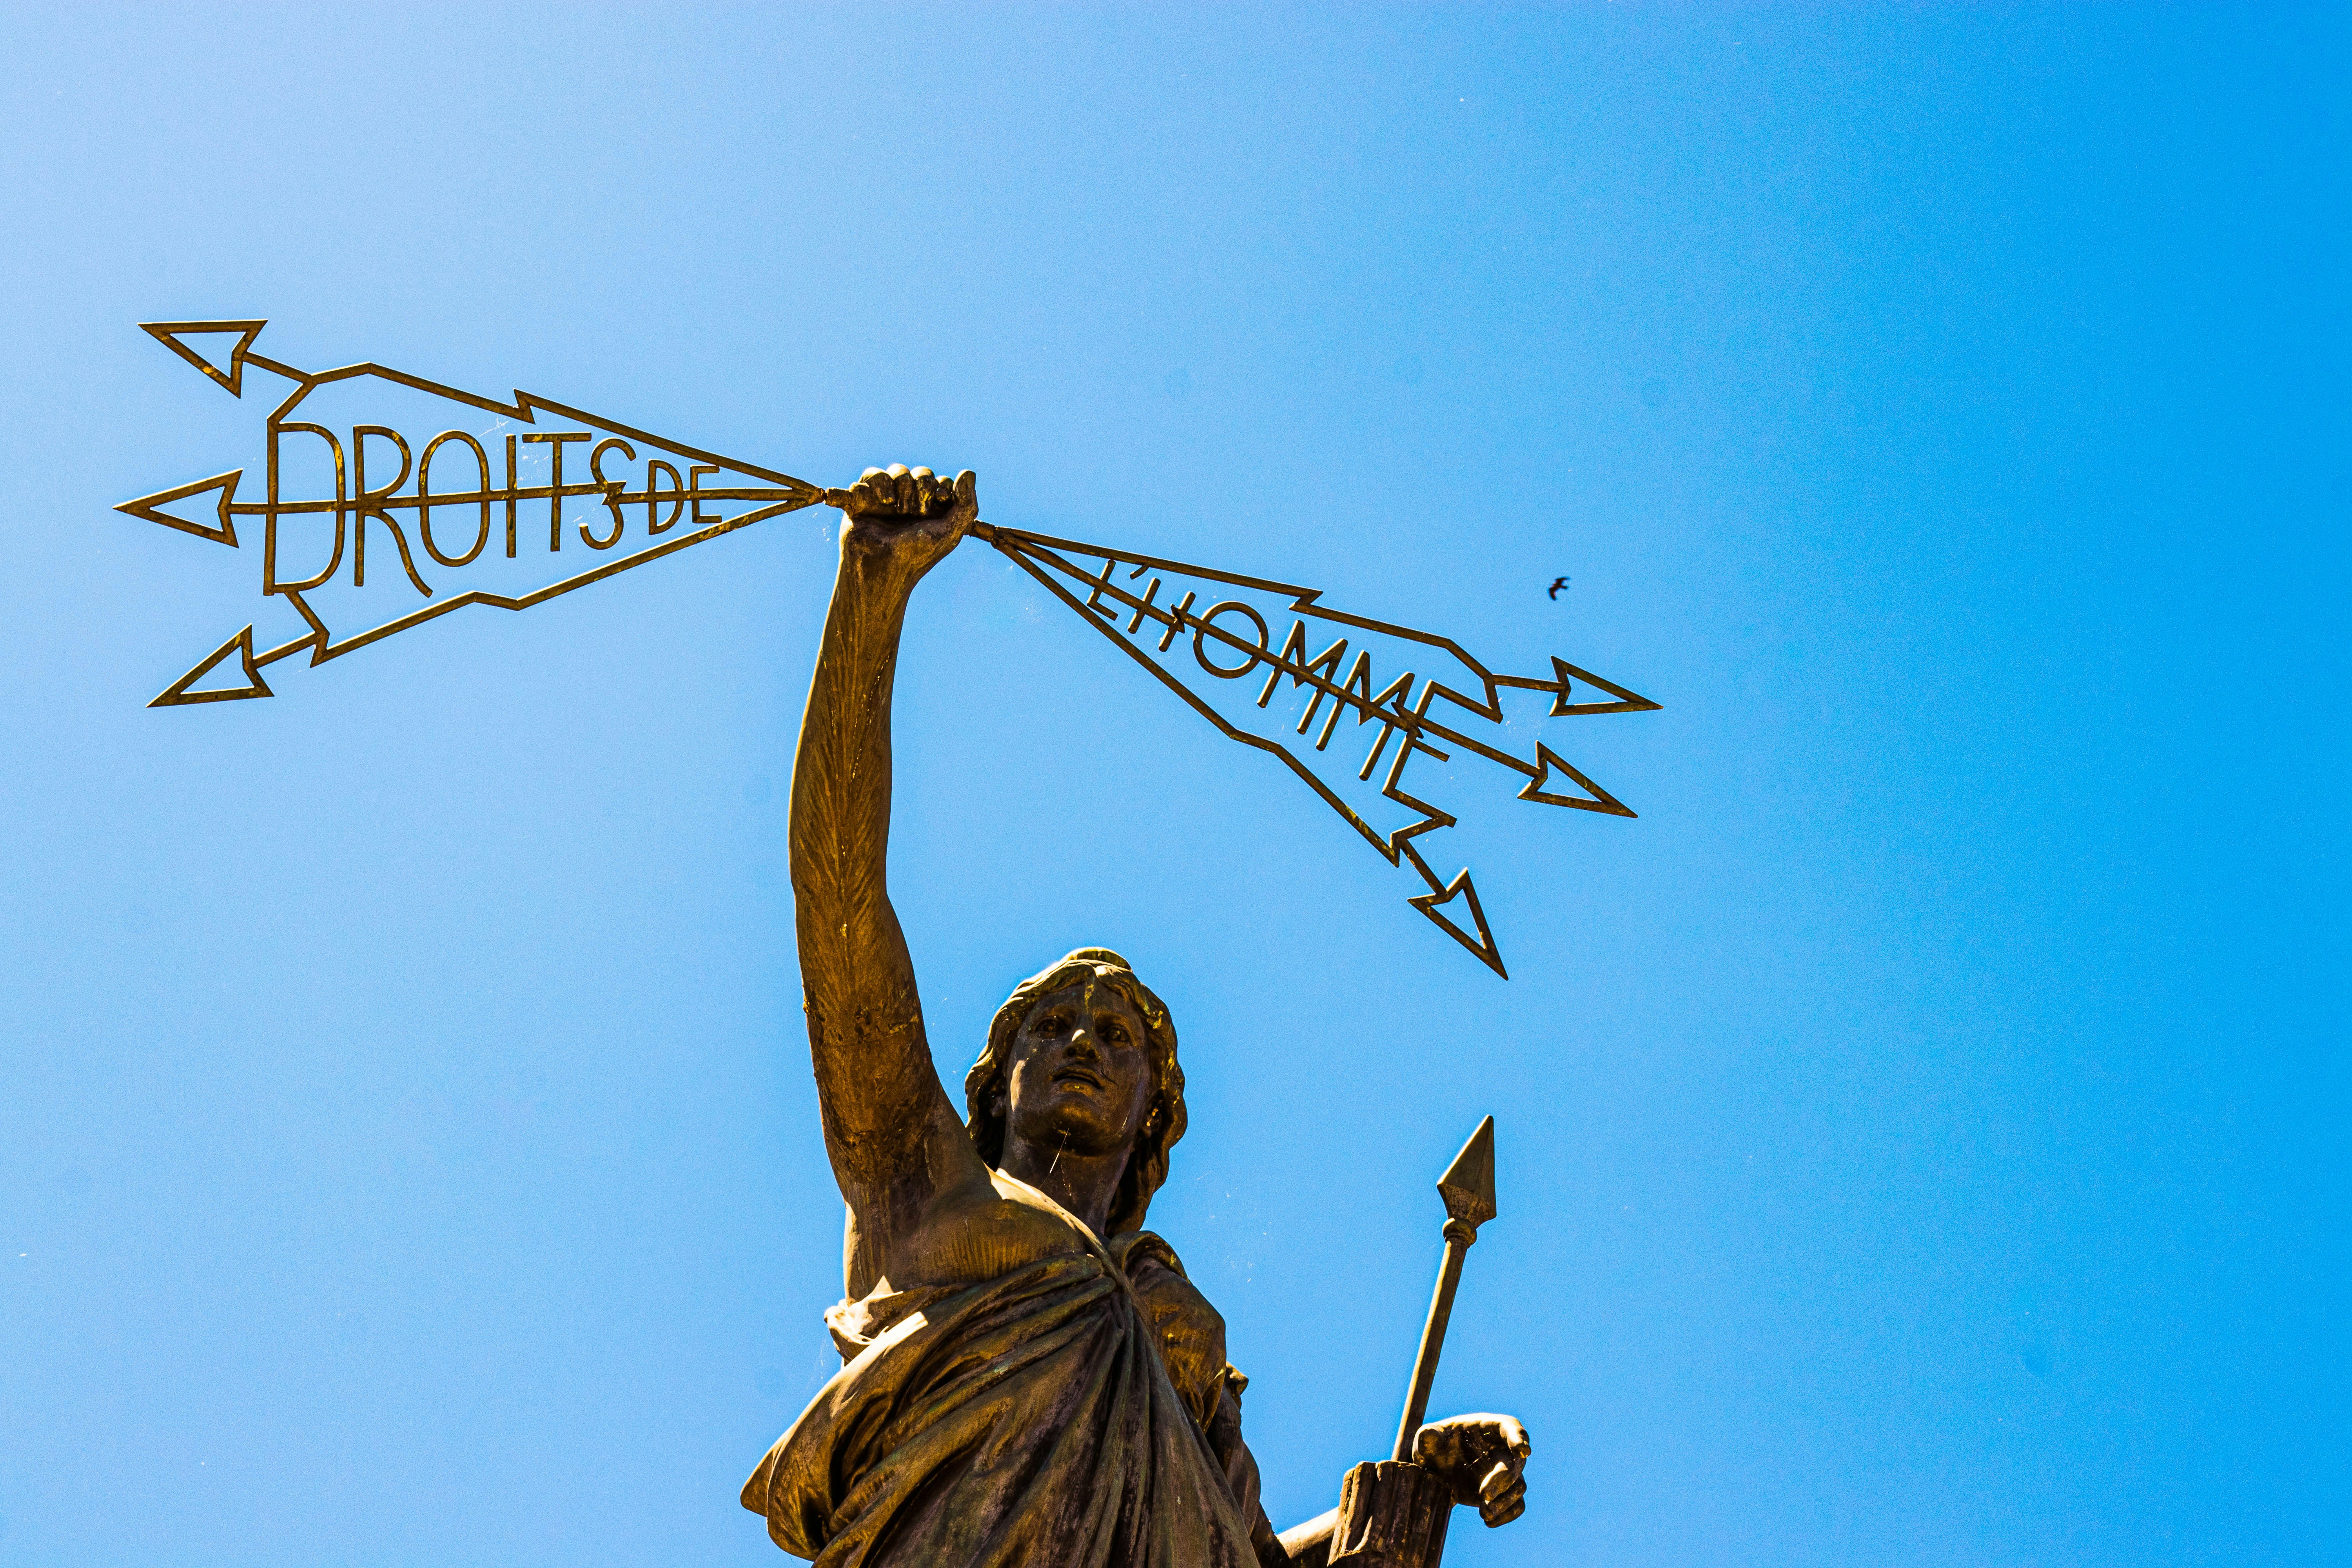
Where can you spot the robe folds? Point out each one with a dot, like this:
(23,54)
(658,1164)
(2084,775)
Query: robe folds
(1026,1421)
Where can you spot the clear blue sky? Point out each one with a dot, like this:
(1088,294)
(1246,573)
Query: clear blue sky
(1921,1134)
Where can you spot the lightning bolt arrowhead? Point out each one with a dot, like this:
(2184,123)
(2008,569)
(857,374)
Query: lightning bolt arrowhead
(1566,674)
(1600,799)
(147,507)
(1464,889)
(168,334)
(177,694)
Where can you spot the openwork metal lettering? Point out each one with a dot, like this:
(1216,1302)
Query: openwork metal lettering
(1169,614)
(492,500)
(629,490)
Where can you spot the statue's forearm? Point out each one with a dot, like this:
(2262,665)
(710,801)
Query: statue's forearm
(860,982)
(841,771)
(1310,1544)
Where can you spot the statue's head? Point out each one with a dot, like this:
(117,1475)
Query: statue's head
(1083,1057)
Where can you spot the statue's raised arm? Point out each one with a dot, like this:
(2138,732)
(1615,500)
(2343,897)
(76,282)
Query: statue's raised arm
(896,1142)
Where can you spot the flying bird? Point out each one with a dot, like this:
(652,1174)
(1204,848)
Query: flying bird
(1557,584)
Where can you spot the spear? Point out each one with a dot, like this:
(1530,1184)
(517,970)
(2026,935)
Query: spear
(1468,1189)
(1392,1514)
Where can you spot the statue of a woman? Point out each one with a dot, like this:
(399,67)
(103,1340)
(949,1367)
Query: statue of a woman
(1031,1380)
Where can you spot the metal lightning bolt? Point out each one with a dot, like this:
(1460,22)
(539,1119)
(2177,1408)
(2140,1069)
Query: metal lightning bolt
(298,529)
(1161,623)
(637,496)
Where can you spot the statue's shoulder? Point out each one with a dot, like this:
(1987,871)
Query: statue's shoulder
(1189,1330)
(1144,1250)
(984,1233)
(1157,1277)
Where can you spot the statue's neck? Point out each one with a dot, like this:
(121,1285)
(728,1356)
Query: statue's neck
(1085,1185)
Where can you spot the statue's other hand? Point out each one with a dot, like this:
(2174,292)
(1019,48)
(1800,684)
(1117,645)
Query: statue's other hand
(908,517)
(1481,1457)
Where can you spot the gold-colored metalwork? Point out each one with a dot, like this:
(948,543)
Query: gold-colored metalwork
(1105,601)
(1207,635)
(354,506)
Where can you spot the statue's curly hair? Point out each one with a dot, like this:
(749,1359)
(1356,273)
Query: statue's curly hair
(1163,1117)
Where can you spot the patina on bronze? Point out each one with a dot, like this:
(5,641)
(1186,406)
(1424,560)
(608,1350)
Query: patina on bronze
(1030,1378)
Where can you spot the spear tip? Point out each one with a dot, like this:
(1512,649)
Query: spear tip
(1468,1185)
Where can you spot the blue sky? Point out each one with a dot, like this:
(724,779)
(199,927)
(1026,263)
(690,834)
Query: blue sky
(1920,1134)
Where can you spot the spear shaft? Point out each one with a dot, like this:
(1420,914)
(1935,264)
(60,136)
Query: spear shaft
(1458,1237)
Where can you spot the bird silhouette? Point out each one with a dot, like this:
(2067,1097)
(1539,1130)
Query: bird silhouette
(1557,584)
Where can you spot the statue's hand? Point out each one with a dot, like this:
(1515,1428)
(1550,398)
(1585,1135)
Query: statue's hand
(907,518)
(1481,1457)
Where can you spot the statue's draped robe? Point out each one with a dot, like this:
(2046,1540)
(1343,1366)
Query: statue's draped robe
(1070,1413)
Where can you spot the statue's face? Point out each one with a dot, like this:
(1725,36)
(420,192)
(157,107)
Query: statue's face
(1079,1077)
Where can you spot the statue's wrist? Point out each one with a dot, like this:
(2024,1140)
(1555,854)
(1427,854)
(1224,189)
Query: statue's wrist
(877,576)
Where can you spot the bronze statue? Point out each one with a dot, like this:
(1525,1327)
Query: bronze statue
(1030,1378)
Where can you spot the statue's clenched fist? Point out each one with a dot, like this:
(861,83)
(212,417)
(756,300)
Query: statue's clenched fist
(906,518)
(904,494)
(1481,1457)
